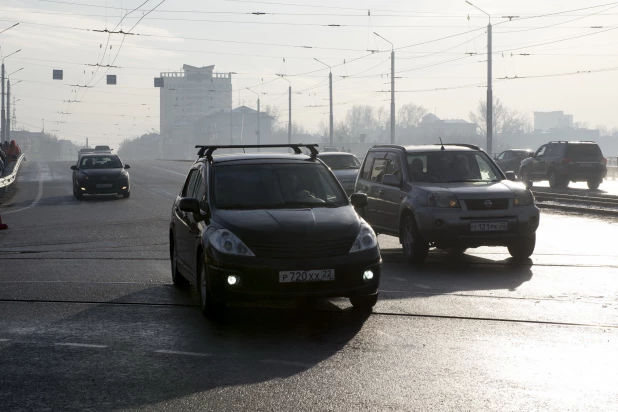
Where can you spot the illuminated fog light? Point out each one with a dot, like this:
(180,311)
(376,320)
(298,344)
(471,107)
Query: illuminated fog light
(233,280)
(124,187)
(367,276)
(83,188)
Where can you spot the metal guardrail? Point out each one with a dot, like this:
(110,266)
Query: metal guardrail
(7,180)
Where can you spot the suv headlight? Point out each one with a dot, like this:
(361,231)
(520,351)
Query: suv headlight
(443,199)
(226,242)
(523,198)
(365,240)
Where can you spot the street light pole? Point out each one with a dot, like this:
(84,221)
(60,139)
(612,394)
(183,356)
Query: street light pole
(289,108)
(490,97)
(2,112)
(258,117)
(392,88)
(330,90)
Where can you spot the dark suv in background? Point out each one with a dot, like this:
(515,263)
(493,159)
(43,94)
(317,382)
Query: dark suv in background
(562,162)
(510,160)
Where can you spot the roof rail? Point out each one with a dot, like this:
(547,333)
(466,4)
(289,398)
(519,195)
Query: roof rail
(207,150)
(572,141)
(393,146)
(469,146)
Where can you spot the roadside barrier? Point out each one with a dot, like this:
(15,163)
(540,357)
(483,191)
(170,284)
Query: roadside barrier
(7,181)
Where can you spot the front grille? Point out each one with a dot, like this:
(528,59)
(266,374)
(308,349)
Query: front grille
(302,249)
(479,204)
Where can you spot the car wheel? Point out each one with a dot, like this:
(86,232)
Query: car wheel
(209,305)
(415,248)
(523,247)
(364,303)
(126,195)
(594,184)
(525,179)
(177,277)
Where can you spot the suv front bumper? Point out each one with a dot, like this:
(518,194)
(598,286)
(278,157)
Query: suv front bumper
(259,277)
(453,227)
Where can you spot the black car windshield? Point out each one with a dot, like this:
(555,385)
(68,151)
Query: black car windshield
(338,162)
(451,167)
(100,162)
(269,186)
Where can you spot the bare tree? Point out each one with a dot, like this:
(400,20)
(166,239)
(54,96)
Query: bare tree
(274,112)
(360,120)
(581,125)
(603,130)
(341,132)
(410,115)
(505,121)
(323,128)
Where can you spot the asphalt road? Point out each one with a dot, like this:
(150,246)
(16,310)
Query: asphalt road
(89,319)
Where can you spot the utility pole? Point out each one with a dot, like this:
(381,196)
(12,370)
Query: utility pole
(231,112)
(87,143)
(2,116)
(392,87)
(490,97)
(290,114)
(7,122)
(330,92)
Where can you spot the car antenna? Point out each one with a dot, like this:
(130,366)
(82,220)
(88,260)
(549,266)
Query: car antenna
(442,148)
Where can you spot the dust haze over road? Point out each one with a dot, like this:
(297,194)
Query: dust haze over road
(91,320)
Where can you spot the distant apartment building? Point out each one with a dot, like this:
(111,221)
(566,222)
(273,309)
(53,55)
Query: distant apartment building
(547,121)
(186,97)
(432,126)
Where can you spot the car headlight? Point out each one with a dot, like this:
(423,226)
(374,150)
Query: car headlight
(226,242)
(366,239)
(443,199)
(523,198)
(82,176)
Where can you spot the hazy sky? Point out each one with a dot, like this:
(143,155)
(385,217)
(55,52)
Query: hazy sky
(55,35)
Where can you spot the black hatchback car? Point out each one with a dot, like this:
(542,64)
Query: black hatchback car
(563,162)
(270,226)
(100,174)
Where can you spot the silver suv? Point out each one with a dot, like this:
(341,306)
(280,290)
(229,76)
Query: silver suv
(451,197)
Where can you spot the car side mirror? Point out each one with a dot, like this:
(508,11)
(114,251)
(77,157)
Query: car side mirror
(74,167)
(391,180)
(358,200)
(510,175)
(127,166)
(189,205)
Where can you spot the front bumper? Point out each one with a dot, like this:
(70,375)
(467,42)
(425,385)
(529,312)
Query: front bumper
(259,277)
(455,229)
(90,188)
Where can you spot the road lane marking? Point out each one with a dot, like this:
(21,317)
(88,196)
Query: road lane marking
(81,345)
(288,363)
(166,170)
(422,286)
(36,200)
(175,352)
(4,340)
(399,279)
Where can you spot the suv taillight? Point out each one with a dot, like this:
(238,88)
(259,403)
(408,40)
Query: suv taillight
(567,160)
(604,161)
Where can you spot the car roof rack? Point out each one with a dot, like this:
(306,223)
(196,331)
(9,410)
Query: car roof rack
(207,150)
(469,146)
(573,141)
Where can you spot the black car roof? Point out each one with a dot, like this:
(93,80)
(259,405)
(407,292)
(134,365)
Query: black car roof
(100,154)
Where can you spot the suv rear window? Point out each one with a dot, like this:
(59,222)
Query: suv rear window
(583,151)
(270,186)
(339,162)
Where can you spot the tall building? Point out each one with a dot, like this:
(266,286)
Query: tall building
(546,121)
(186,97)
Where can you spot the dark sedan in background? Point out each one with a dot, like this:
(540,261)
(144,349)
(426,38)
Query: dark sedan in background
(510,160)
(100,174)
(345,167)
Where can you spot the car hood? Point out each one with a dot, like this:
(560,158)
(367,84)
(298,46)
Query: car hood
(310,224)
(98,173)
(474,190)
(346,175)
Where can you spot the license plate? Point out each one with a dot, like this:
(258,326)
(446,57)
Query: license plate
(104,185)
(489,226)
(293,276)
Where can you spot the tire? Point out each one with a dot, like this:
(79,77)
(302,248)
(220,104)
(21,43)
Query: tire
(209,306)
(415,248)
(525,179)
(177,277)
(523,247)
(553,180)
(594,184)
(126,195)
(364,303)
